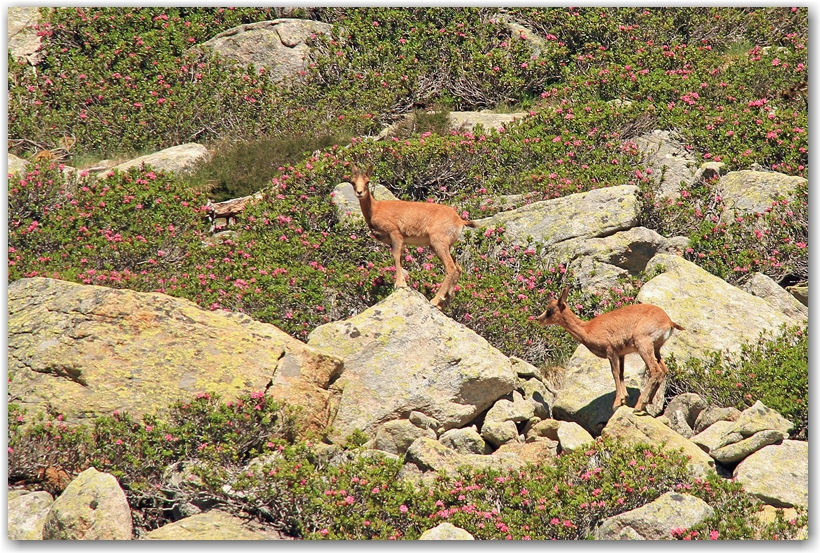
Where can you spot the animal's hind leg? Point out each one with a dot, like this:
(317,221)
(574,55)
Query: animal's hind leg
(656,370)
(445,291)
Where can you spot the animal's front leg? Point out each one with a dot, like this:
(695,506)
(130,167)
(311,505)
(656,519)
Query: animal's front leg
(616,364)
(397,247)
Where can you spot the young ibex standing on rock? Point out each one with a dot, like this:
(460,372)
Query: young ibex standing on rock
(640,328)
(396,223)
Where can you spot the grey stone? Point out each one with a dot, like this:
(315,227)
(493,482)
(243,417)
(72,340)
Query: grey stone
(777,474)
(279,46)
(27,515)
(446,531)
(171,160)
(396,436)
(711,437)
(689,404)
(465,440)
(597,213)
(764,287)
(92,507)
(712,414)
(737,451)
(499,433)
(656,520)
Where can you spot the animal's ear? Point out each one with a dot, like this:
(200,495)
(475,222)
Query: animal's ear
(369,171)
(562,302)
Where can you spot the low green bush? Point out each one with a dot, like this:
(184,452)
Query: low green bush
(773,370)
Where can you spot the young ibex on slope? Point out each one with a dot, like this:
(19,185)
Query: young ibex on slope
(396,223)
(640,328)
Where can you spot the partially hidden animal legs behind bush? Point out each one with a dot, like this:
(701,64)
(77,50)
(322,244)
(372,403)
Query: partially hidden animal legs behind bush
(640,328)
(397,222)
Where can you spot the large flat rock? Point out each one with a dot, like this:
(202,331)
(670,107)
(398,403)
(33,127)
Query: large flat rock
(86,351)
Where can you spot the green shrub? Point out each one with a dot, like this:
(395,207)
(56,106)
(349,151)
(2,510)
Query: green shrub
(241,168)
(774,370)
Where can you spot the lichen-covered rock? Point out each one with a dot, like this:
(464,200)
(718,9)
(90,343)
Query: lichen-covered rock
(92,507)
(517,410)
(404,355)
(542,451)
(749,192)
(27,515)
(670,163)
(23,39)
(396,436)
(537,394)
(171,160)
(446,531)
(16,165)
(758,418)
(461,121)
(431,455)
(279,46)
(656,520)
(777,474)
(737,451)
(499,433)
(572,437)
(344,200)
(677,422)
(713,414)
(800,292)
(598,263)
(544,429)
(690,405)
(212,525)
(716,315)
(523,369)
(86,351)
(468,120)
(712,436)
(423,421)
(764,287)
(596,213)
(631,429)
(465,440)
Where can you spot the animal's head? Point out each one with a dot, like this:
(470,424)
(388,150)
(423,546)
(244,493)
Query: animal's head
(361,180)
(554,311)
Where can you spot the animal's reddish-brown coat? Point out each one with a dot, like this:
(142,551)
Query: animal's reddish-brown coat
(398,223)
(640,328)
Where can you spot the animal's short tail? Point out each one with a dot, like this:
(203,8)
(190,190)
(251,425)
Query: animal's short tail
(676,325)
(470,224)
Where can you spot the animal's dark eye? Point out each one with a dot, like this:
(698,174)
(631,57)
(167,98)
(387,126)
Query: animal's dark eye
(550,311)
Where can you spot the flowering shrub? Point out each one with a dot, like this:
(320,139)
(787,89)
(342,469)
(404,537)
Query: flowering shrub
(774,242)
(139,453)
(316,491)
